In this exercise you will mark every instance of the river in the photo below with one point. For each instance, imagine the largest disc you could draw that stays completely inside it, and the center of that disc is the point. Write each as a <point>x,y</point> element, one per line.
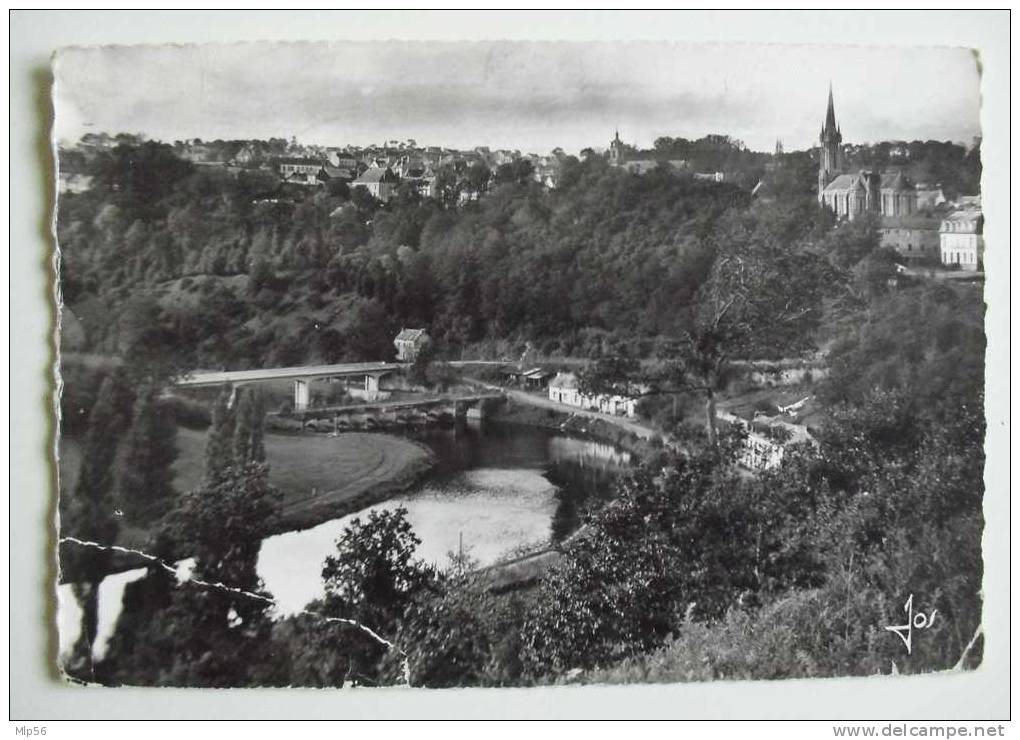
<point>495,490</point>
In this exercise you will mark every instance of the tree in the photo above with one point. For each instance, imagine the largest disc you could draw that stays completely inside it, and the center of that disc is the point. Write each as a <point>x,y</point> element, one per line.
<point>671,547</point>
<point>446,189</point>
<point>518,172</point>
<point>151,348</point>
<point>212,628</point>
<point>91,514</point>
<point>249,428</point>
<point>477,178</point>
<point>144,476</point>
<point>218,448</point>
<point>371,579</point>
<point>762,299</point>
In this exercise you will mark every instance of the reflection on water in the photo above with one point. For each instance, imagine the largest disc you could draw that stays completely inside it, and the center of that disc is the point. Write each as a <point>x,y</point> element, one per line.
<point>499,487</point>
<point>495,510</point>
<point>586,453</point>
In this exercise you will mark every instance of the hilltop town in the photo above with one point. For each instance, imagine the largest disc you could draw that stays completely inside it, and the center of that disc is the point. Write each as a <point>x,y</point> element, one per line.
<point>927,222</point>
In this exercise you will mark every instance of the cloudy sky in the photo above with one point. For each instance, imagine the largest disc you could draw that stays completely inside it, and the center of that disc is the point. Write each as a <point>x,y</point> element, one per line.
<point>527,96</point>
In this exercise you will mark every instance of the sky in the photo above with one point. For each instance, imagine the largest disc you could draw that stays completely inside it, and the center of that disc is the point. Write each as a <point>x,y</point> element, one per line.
<point>531,96</point>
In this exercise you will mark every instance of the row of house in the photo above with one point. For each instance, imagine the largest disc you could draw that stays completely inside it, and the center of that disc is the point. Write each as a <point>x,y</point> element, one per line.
<point>564,389</point>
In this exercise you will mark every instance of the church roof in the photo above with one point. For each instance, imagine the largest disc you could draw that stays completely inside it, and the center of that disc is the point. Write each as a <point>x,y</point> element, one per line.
<point>895,181</point>
<point>845,182</point>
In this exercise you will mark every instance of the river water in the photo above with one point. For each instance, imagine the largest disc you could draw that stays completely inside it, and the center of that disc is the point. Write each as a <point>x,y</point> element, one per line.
<point>496,490</point>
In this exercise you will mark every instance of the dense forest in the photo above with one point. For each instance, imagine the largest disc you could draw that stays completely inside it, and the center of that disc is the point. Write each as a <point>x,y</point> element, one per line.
<point>243,270</point>
<point>693,571</point>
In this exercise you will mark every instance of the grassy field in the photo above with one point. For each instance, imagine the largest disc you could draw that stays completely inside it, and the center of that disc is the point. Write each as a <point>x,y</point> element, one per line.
<point>321,477</point>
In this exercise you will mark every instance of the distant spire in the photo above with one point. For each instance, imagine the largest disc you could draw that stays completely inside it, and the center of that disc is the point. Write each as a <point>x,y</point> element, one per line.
<point>830,114</point>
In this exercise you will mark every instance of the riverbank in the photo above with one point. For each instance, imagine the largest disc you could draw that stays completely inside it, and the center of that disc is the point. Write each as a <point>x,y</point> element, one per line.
<point>521,408</point>
<point>321,477</point>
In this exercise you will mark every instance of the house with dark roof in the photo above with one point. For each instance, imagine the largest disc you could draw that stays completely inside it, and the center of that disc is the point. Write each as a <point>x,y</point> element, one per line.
<point>379,181</point>
<point>915,237</point>
<point>329,172</point>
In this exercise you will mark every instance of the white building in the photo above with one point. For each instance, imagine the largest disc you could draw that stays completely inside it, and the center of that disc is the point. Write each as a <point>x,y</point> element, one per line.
<point>299,170</point>
<point>767,440</point>
<point>409,342</point>
<point>563,389</point>
<point>961,241</point>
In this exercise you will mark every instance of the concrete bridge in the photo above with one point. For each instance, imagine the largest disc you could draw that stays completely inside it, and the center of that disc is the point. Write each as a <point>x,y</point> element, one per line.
<point>302,376</point>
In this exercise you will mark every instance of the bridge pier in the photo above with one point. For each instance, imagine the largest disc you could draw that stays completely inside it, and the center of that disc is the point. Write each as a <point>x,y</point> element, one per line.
<point>301,395</point>
<point>372,386</point>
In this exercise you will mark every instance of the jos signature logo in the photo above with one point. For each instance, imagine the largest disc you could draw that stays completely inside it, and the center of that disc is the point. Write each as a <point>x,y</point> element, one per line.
<point>918,621</point>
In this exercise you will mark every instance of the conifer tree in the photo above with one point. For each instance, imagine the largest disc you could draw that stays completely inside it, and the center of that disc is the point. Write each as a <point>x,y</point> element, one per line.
<point>249,429</point>
<point>91,514</point>
<point>144,478</point>
<point>218,454</point>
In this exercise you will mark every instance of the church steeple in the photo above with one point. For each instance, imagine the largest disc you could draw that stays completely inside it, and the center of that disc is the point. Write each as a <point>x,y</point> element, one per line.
<point>830,114</point>
<point>831,139</point>
<point>616,150</point>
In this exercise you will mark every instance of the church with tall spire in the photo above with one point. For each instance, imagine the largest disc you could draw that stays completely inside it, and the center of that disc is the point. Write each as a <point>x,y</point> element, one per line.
<point>849,195</point>
<point>832,148</point>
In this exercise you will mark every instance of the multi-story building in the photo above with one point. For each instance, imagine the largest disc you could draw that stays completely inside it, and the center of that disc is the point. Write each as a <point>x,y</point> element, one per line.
<point>299,170</point>
<point>961,240</point>
<point>914,237</point>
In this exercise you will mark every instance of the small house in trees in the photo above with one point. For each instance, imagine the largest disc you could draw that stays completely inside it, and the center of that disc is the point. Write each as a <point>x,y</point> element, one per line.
<point>409,342</point>
<point>767,439</point>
